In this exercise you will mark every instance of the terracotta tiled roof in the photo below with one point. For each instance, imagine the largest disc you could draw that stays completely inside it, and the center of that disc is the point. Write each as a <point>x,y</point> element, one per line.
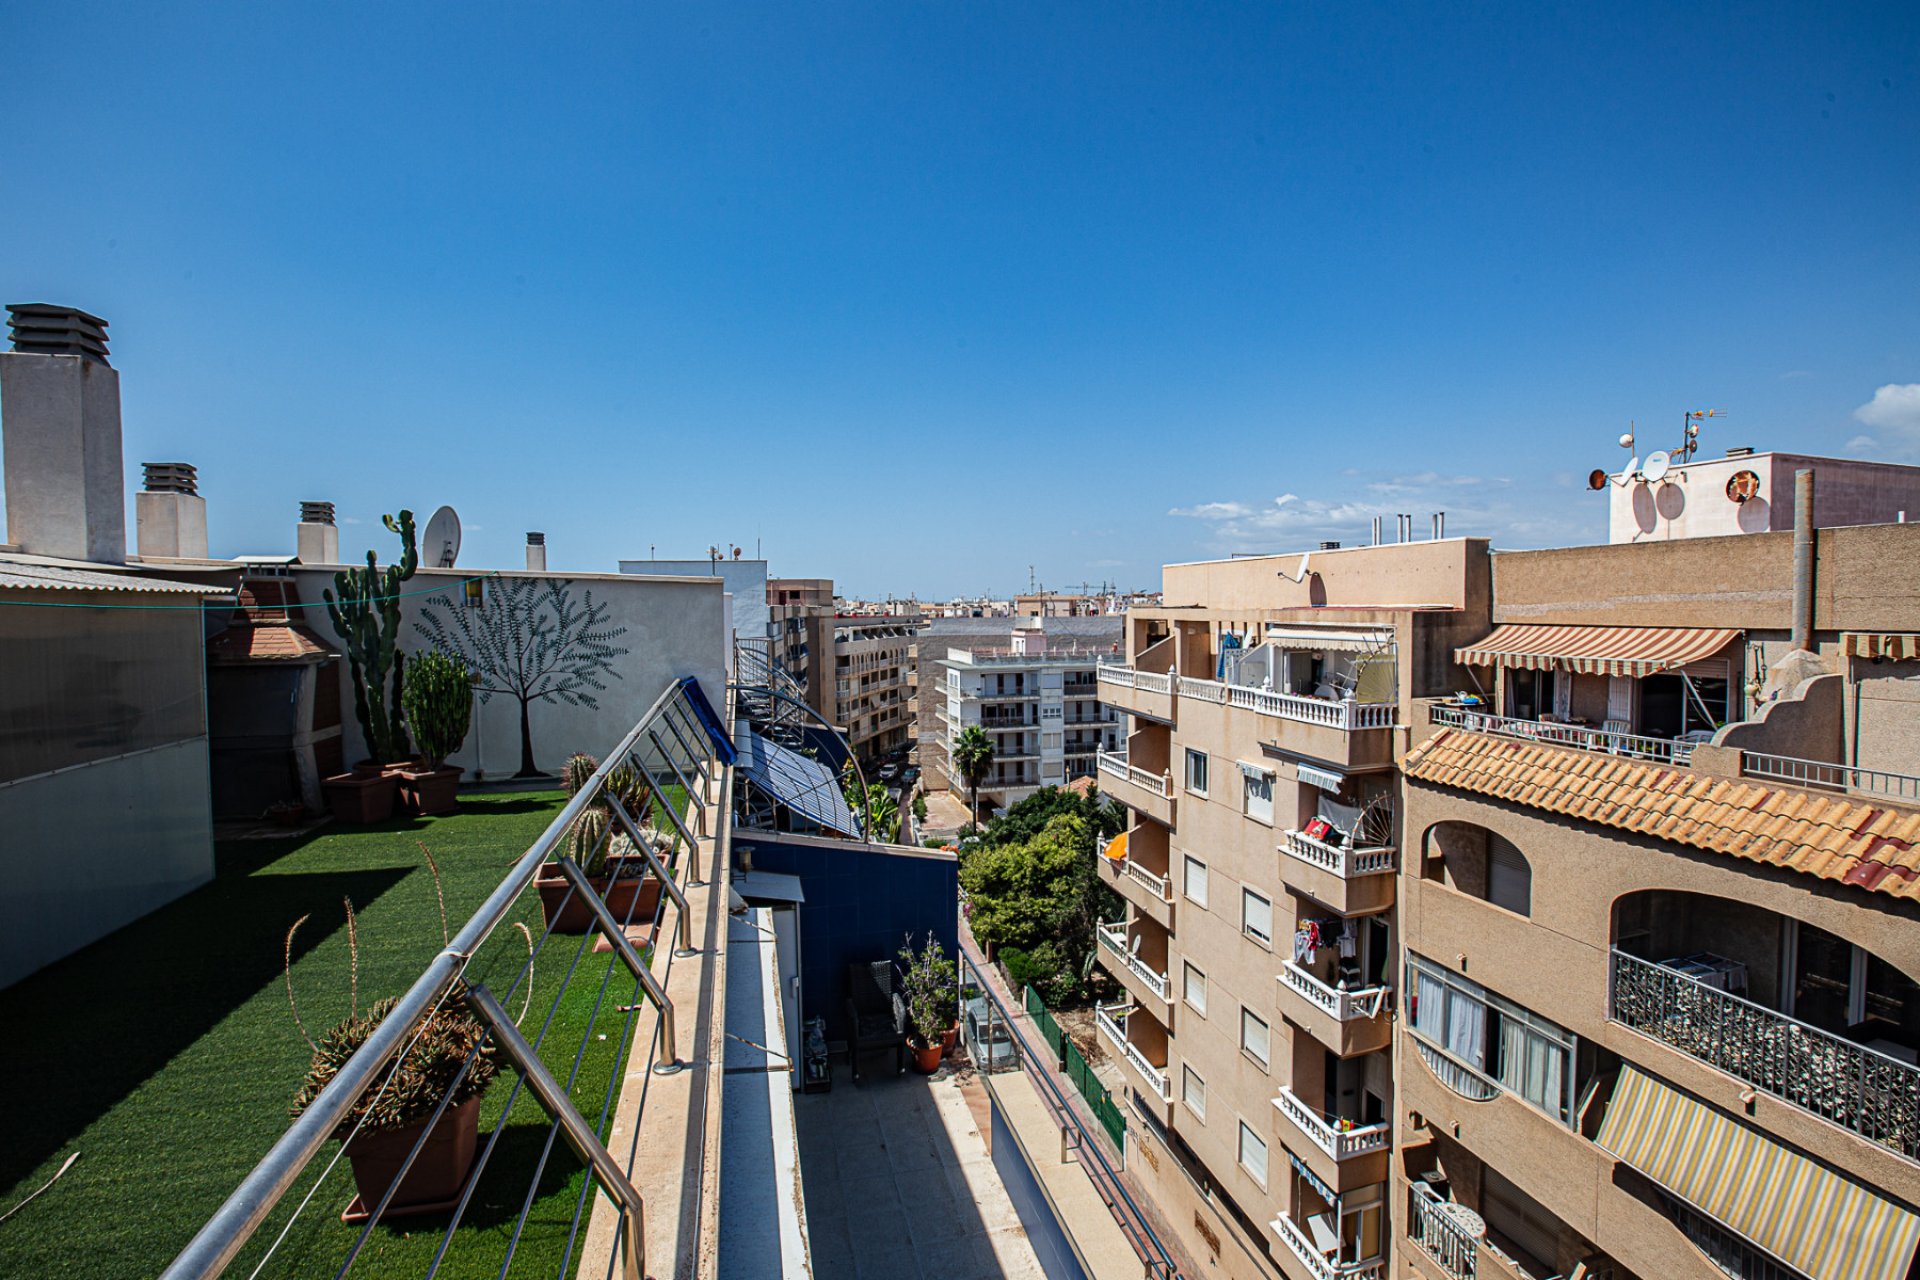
<point>1084,786</point>
<point>263,629</point>
<point>1833,837</point>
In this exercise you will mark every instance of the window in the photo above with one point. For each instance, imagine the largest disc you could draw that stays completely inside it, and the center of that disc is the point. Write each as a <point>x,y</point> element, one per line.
<point>1196,771</point>
<point>1254,1037</point>
<point>1501,1042</point>
<point>1193,986</point>
<point>1257,798</point>
<point>1196,880</point>
<point>1256,917</point>
<point>1253,1154</point>
<point>1193,1091</point>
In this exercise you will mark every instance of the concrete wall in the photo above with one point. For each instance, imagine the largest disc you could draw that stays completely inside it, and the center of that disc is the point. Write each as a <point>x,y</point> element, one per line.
<point>746,582</point>
<point>1408,573</point>
<point>1693,502</point>
<point>1044,1231</point>
<point>666,628</point>
<point>94,847</point>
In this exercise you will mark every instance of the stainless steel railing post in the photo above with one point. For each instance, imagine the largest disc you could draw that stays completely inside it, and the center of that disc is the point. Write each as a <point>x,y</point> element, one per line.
<point>685,926</point>
<point>616,935</point>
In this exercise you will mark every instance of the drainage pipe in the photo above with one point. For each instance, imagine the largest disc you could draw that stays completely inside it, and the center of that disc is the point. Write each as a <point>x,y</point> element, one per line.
<point>1803,559</point>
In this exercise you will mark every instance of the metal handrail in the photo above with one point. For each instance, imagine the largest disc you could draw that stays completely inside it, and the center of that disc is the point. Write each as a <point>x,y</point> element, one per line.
<point>1439,1236</point>
<point>214,1246</point>
<point>1830,776</point>
<point>1634,746</point>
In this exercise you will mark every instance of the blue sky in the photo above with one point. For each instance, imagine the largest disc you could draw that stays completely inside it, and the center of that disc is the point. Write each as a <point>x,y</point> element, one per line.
<point>920,295</point>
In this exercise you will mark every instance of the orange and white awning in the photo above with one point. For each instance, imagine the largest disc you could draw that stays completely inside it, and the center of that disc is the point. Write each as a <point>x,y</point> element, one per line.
<point>1894,647</point>
<point>1596,651</point>
<point>1116,848</point>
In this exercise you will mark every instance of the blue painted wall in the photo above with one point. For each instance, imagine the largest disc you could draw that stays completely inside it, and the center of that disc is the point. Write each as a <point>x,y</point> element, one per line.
<point>1044,1232</point>
<point>861,904</point>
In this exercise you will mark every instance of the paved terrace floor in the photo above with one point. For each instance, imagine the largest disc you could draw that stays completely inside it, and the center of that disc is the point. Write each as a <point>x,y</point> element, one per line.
<point>899,1183</point>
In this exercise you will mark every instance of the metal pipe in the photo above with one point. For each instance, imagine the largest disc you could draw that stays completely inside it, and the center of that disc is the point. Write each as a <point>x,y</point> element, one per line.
<point>579,1134</point>
<point>616,936</point>
<point>1376,531</point>
<point>1803,558</point>
<point>673,890</point>
<point>235,1221</point>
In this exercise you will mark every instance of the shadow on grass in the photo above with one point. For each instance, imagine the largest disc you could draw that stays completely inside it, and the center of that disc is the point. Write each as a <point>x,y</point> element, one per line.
<point>106,1018</point>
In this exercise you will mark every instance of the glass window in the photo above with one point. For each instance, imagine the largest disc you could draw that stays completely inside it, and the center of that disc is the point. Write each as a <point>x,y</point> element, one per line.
<point>1194,987</point>
<point>1196,880</point>
<point>1259,797</point>
<point>1256,917</point>
<point>1505,1044</point>
<point>1254,1037</point>
<point>1193,1091</point>
<point>1196,771</point>
<point>1253,1154</point>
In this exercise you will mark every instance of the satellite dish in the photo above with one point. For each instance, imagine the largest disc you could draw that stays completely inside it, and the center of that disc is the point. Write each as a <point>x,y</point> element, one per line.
<point>1657,465</point>
<point>440,544</point>
<point>1743,486</point>
<point>1300,574</point>
<point>1627,472</point>
<point>1596,479</point>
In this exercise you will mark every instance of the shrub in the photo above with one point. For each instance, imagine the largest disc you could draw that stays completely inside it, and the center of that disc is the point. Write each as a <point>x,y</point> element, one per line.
<point>438,696</point>
<point>409,1090</point>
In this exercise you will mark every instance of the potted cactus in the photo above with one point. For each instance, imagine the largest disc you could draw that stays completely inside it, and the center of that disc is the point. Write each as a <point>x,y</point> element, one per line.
<point>365,613</point>
<point>438,699</point>
<point>617,871</point>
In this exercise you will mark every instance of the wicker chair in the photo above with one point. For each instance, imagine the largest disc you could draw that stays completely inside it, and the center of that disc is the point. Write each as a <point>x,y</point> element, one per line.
<point>876,1014</point>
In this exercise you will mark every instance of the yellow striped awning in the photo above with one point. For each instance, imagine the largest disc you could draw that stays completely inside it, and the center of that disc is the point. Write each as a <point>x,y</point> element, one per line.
<point>1116,849</point>
<point>1895,647</point>
<point>1804,1215</point>
<point>1595,651</point>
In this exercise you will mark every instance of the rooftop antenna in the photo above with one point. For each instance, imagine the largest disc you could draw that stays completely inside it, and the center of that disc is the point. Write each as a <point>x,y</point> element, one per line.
<point>1598,477</point>
<point>1690,430</point>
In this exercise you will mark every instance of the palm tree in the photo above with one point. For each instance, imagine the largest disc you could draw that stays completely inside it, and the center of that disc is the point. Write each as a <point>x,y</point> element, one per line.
<point>973,757</point>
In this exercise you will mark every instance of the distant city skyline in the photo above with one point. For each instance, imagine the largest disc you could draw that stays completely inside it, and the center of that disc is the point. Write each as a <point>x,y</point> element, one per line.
<point>916,297</point>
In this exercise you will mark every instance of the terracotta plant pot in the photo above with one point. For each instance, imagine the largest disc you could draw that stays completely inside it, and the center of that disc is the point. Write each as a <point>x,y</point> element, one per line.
<point>633,895</point>
<point>429,791</point>
<point>949,1038</point>
<point>357,798</point>
<point>926,1057</point>
<point>438,1172</point>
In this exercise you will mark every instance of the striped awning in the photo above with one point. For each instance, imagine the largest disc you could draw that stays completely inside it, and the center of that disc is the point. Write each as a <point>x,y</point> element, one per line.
<point>1116,848</point>
<point>1595,651</point>
<point>1900,646</point>
<point>1809,1218</point>
<point>1328,640</point>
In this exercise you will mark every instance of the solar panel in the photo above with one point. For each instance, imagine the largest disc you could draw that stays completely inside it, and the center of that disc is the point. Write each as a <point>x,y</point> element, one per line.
<point>802,784</point>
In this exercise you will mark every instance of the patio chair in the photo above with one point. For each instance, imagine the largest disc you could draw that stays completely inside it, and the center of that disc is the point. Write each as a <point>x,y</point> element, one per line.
<point>876,1014</point>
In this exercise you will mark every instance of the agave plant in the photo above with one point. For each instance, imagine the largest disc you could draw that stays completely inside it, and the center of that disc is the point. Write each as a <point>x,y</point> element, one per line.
<point>409,1090</point>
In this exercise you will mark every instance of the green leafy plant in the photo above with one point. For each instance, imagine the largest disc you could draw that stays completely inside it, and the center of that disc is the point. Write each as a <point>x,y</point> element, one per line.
<point>930,987</point>
<point>919,806</point>
<point>438,696</point>
<point>366,615</point>
<point>973,757</point>
<point>1040,896</point>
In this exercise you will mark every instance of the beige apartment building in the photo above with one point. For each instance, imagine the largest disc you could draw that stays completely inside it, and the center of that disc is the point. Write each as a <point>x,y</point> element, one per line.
<point>1542,916</point>
<point>1268,700</point>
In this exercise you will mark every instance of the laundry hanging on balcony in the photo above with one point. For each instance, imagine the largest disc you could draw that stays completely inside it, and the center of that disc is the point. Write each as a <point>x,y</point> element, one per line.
<point>1598,651</point>
<point>1809,1217</point>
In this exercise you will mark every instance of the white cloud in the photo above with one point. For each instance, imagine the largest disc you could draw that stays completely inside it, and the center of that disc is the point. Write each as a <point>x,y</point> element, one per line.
<point>1214,511</point>
<point>1894,407</point>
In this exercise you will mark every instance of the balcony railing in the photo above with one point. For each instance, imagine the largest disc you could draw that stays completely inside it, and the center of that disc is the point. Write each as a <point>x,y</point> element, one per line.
<point>1160,886</point>
<point>1346,716</point>
<point>1830,777</point>
<point>1340,1139</point>
<point>1634,746</point>
<point>1347,863</point>
<point>1342,1005</point>
<point>1204,690</point>
<point>1128,678</point>
<point>1112,1020</point>
<point>1114,938</point>
<point>1441,1236</point>
<point>1855,1087</point>
<point>1159,783</point>
<point>1323,1267</point>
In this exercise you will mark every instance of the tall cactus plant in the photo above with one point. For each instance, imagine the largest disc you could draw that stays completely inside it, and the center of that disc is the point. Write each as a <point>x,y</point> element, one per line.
<point>366,616</point>
<point>439,701</point>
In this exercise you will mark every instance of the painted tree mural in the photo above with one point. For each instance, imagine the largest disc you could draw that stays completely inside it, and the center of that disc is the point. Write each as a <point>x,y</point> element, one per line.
<point>532,640</point>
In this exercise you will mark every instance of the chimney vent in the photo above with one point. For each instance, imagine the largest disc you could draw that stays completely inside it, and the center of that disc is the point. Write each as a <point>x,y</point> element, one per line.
<point>316,540</point>
<point>41,328</point>
<point>537,552</point>
<point>316,513</point>
<point>170,477</point>
<point>536,539</point>
<point>1743,451</point>
<point>1329,546</point>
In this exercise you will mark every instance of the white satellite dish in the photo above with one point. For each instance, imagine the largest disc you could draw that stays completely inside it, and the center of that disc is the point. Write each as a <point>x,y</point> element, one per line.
<point>1658,463</point>
<point>1625,477</point>
<point>1300,574</point>
<point>440,544</point>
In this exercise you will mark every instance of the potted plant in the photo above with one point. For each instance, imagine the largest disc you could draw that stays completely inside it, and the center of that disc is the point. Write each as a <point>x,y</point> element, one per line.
<point>616,869</point>
<point>362,796</point>
<point>438,697</point>
<point>929,988</point>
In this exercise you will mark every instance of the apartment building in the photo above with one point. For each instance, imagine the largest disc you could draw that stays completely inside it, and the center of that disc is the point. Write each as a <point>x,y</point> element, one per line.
<point>1267,700</point>
<point>1657,894</point>
<point>1032,687</point>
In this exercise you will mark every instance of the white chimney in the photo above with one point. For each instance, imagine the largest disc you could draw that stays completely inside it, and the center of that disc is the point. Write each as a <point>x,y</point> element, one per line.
<point>66,491</point>
<point>169,515</point>
<point>317,538</point>
<point>537,552</point>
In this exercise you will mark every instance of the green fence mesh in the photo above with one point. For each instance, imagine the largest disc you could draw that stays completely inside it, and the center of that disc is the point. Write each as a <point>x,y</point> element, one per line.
<point>1105,1110</point>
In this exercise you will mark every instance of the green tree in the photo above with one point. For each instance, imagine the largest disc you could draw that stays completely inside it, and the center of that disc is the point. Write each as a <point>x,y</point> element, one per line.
<point>973,757</point>
<point>1042,897</point>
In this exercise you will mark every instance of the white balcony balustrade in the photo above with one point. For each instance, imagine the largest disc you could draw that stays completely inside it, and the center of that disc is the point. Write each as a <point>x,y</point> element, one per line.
<point>1341,1004</point>
<point>1344,861</point>
<point>1340,1139</point>
<point>1319,1264</point>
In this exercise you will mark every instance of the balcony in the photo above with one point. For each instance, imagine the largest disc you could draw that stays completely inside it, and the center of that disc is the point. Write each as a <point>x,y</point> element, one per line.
<point>1144,693</point>
<point>1818,775</point>
<point>1112,1021</point>
<point>1150,986</point>
<point>1319,1265</point>
<point>1348,879</point>
<point>1436,1229</point>
<point>1851,1085</point>
<point>1348,1021</point>
<point>1632,746</point>
<point>1140,789</point>
<point>1341,1153</point>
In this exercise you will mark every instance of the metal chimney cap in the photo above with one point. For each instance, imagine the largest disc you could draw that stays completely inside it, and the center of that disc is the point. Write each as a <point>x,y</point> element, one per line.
<point>1329,546</point>
<point>536,539</point>
<point>170,477</point>
<point>316,513</point>
<point>43,328</point>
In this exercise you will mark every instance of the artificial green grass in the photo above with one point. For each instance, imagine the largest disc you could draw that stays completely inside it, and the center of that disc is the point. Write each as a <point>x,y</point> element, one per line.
<point>167,1055</point>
